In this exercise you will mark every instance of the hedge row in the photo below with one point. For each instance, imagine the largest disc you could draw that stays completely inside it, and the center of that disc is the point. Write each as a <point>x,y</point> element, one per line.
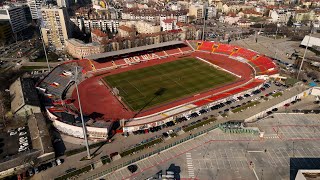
<point>75,173</point>
<point>141,147</point>
<point>198,125</point>
<point>79,150</point>
<point>277,94</point>
<point>245,106</point>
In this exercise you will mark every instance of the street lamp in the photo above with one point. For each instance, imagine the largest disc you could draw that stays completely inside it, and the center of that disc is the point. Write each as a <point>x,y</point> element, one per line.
<point>304,54</point>
<point>292,148</point>
<point>81,115</point>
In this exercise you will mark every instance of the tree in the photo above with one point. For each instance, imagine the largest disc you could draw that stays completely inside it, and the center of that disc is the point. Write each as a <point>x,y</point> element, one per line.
<point>290,21</point>
<point>192,18</point>
<point>305,18</point>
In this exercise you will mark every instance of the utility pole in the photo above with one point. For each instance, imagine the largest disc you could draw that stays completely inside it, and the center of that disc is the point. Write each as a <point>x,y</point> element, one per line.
<point>81,115</point>
<point>304,55</point>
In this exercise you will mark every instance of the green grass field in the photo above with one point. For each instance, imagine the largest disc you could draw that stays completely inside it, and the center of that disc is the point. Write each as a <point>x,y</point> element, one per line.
<point>155,85</point>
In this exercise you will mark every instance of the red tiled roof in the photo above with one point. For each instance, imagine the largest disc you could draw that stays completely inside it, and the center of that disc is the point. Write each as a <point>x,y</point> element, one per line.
<point>99,33</point>
<point>251,11</point>
<point>231,14</point>
<point>168,20</point>
<point>126,28</point>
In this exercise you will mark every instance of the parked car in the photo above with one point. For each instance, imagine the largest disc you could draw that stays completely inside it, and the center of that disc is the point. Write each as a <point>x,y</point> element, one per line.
<point>59,162</point>
<point>21,128</point>
<point>113,154</point>
<point>30,173</point>
<point>13,133</point>
<point>22,133</point>
<point>36,170</point>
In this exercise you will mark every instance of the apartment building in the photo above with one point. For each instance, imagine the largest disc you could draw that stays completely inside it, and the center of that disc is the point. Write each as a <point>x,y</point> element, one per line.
<point>55,29</point>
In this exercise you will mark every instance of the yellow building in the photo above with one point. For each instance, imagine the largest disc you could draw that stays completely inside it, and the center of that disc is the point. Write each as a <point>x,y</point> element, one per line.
<point>56,28</point>
<point>78,49</point>
<point>197,11</point>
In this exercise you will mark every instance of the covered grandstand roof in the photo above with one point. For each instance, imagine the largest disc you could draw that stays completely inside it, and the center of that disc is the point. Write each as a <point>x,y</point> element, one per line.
<point>130,50</point>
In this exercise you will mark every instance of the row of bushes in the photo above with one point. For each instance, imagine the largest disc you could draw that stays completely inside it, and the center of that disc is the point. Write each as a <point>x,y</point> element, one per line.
<point>189,128</point>
<point>79,150</point>
<point>75,173</point>
<point>245,106</point>
<point>141,147</point>
<point>277,94</point>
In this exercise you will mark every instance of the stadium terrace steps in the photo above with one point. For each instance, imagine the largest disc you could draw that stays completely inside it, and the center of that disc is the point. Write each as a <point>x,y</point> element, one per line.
<point>225,49</point>
<point>85,64</point>
<point>263,63</point>
<point>245,53</point>
<point>206,46</point>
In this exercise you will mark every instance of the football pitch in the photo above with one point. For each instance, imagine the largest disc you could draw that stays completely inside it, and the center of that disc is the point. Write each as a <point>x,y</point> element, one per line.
<point>155,85</point>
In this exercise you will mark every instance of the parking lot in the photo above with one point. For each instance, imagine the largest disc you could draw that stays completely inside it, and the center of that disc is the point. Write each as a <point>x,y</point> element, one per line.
<point>219,155</point>
<point>9,145</point>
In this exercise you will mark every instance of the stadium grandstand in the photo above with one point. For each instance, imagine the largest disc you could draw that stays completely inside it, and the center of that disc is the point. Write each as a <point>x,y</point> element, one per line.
<point>108,100</point>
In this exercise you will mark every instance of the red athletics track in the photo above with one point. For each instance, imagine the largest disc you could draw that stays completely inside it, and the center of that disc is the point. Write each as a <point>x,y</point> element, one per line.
<point>96,97</point>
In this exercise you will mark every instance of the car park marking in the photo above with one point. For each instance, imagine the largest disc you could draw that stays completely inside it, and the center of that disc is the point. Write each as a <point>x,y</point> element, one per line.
<point>190,165</point>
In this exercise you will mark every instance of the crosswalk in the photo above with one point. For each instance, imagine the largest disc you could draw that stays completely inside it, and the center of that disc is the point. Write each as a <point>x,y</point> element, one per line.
<point>190,165</point>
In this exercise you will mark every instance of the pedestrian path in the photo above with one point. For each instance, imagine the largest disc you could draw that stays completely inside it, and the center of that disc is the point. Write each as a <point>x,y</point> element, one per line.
<point>190,165</point>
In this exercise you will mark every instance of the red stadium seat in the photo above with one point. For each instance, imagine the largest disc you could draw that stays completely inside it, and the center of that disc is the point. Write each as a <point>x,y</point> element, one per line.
<point>206,46</point>
<point>225,49</point>
<point>245,53</point>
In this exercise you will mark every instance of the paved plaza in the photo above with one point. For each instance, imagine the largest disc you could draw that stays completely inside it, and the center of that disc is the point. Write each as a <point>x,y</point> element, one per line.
<point>219,155</point>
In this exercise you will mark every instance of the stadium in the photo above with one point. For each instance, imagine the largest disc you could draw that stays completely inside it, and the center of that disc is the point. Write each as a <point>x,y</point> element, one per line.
<point>145,87</point>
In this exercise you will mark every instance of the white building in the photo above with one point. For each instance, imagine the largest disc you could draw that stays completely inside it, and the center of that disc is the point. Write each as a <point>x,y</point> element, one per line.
<point>102,24</point>
<point>168,24</point>
<point>280,16</point>
<point>16,17</point>
<point>212,12</point>
<point>35,6</point>
<point>63,3</point>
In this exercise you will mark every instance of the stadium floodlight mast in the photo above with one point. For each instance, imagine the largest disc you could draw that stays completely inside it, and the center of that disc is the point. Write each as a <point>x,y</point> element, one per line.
<point>304,54</point>
<point>204,26</point>
<point>81,115</point>
<point>44,47</point>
